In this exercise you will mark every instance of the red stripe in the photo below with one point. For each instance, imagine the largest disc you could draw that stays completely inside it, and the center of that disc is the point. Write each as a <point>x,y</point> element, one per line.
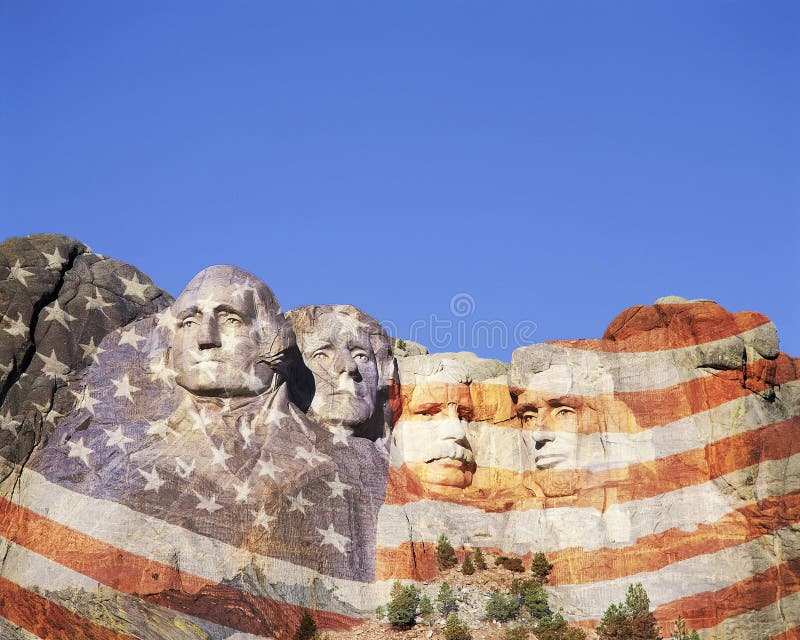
<point>670,326</point>
<point>47,619</point>
<point>154,581</point>
<point>499,490</point>
<point>416,561</point>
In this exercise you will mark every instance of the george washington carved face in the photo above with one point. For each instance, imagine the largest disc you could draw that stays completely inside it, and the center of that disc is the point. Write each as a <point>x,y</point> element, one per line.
<point>229,333</point>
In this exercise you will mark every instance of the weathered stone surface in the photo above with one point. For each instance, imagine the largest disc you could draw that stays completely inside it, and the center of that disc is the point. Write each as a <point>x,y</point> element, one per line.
<point>206,469</point>
<point>58,300</point>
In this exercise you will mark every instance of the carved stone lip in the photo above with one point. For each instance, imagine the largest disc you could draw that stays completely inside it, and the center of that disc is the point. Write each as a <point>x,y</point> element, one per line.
<point>549,461</point>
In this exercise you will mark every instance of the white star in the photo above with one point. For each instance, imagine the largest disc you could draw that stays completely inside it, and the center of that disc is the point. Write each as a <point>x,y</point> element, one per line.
<point>338,488</point>
<point>91,350</point>
<point>78,450</point>
<point>50,414</point>
<point>18,327</point>
<point>329,536</point>
<point>158,428</point>
<point>275,414</point>
<point>219,456</point>
<point>131,338</point>
<point>341,435</point>
<point>301,453</point>
<point>209,504</point>
<point>9,423</point>
<point>245,430</point>
<point>55,259</point>
<point>240,289</point>
<point>56,313</point>
<point>242,491</point>
<point>86,401</point>
<point>268,468</point>
<point>299,503</point>
<point>183,469</point>
<point>159,371</point>
<point>18,273</point>
<point>124,388</point>
<point>117,439</point>
<point>134,287</point>
<point>154,481</point>
<point>53,367</point>
<point>165,320</point>
<point>97,303</point>
<point>262,519</point>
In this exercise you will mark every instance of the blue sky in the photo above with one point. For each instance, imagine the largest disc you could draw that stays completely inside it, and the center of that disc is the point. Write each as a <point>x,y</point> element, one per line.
<point>557,162</point>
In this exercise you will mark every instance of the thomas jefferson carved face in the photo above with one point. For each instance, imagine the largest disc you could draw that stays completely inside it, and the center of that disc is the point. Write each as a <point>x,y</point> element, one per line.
<point>431,438</point>
<point>342,361</point>
<point>225,334</point>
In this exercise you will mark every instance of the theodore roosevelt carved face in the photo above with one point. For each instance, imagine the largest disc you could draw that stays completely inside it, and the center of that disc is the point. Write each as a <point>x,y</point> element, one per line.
<point>431,437</point>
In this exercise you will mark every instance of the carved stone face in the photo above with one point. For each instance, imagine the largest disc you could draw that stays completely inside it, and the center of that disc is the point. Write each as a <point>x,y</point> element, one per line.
<point>553,423</point>
<point>340,356</point>
<point>431,438</point>
<point>219,347</point>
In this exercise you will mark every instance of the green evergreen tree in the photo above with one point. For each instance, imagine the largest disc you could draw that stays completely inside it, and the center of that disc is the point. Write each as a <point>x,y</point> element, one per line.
<point>467,568</point>
<point>541,567</point>
<point>531,596</point>
<point>501,607</point>
<point>426,610</point>
<point>555,627</point>
<point>402,608</point>
<point>456,629</point>
<point>380,611</point>
<point>479,560</point>
<point>446,599</point>
<point>445,554</point>
<point>631,620</point>
<point>307,629</point>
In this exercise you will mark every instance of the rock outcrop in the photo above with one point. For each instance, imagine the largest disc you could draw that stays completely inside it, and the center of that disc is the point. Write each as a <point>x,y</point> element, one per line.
<point>208,468</point>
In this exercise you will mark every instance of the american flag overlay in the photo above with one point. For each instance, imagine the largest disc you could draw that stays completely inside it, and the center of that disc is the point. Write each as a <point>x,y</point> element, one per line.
<point>666,452</point>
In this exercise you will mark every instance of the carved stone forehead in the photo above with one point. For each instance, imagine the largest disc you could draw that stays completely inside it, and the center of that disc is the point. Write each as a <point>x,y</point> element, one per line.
<point>229,283</point>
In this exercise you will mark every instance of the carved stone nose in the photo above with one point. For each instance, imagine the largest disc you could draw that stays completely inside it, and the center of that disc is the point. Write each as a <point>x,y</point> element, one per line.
<point>208,337</point>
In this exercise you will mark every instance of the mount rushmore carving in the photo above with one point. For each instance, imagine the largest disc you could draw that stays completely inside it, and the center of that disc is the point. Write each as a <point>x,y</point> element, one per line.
<point>210,466</point>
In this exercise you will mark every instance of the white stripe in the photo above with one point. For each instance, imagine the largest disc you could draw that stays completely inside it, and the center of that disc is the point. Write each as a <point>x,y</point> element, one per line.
<point>512,449</point>
<point>769,621</point>
<point>706,572</point>
<point>191,552</point>
<point>584,527</point>
<point>595,372</point>
<point>35,572</point>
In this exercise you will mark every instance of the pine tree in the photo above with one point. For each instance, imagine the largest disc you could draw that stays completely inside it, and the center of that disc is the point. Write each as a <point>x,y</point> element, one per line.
<point>500,607</point>
<point>402,608</point>
<point>479,560</point>
<point>541,567</point>
<point>445,554</point>
<point>631,619</point>
<point>456,629</point>
<point>426,610</point>
<point>467,568</point>
<point>446,600</point>
<point>307,629</point>
<point>555,627</point>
